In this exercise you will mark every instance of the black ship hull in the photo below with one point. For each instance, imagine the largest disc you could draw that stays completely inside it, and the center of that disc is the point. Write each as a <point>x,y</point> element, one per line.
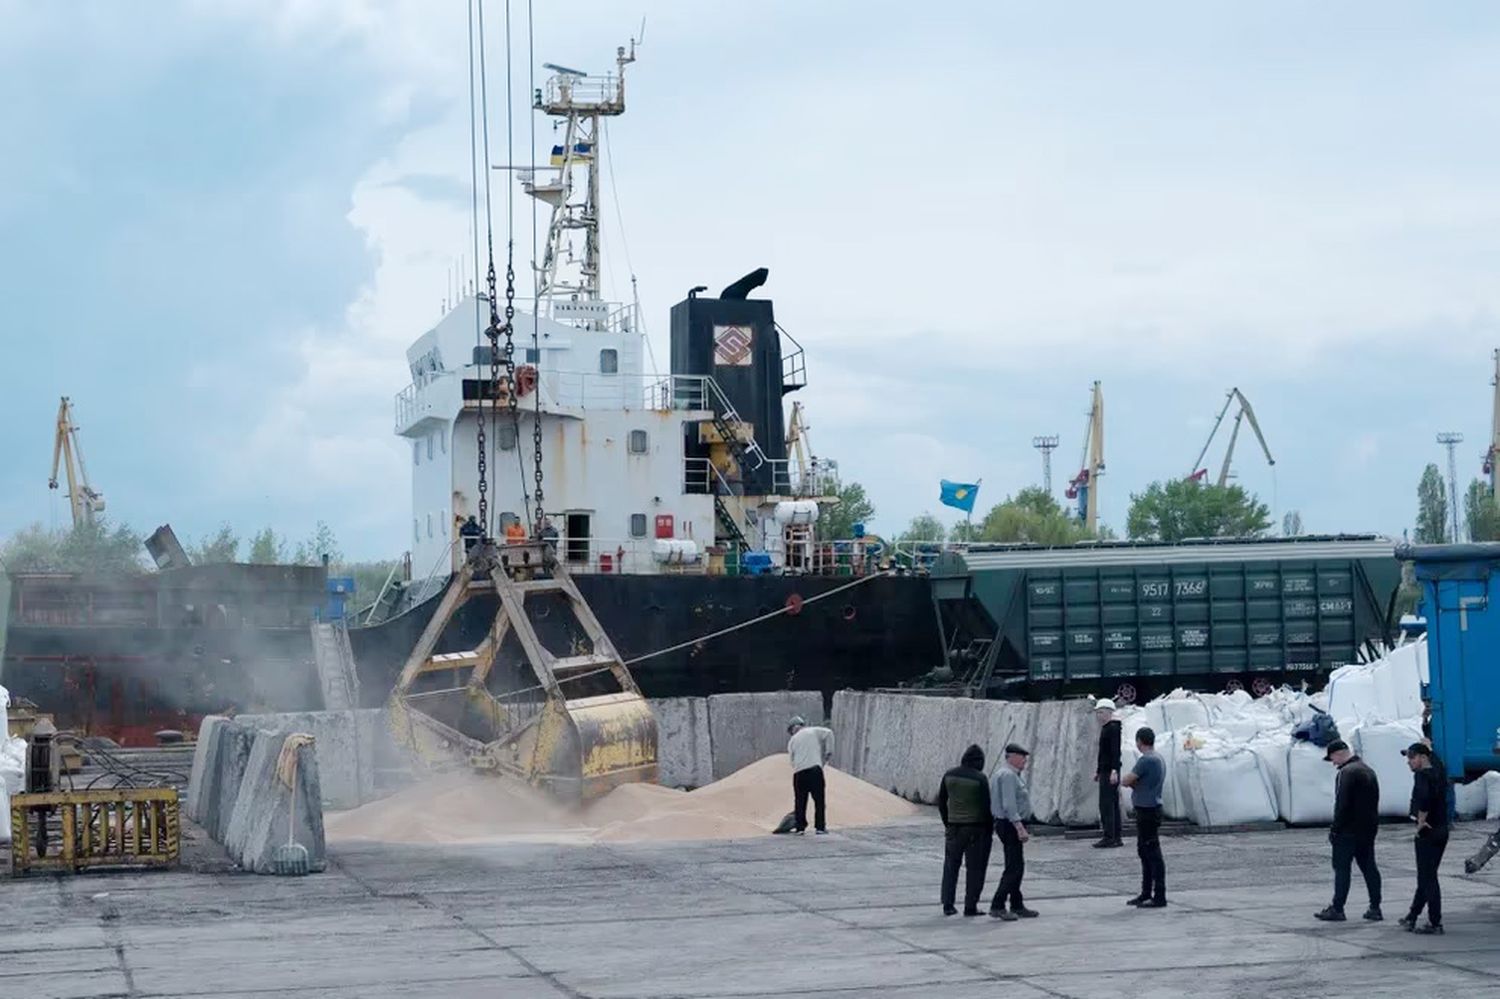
<point>135,673</point>
<point>880,632</point>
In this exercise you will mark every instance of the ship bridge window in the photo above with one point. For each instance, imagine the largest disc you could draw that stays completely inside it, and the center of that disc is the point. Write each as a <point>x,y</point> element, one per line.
<point>637,442</point>
<point>533,355</point>
<point>609,361</point>
<point>429,525</point>
<point>637,525</point>
<point>443,439</point>
<point>507,435</point>
<point>429,447</point>
<point>416,452</point>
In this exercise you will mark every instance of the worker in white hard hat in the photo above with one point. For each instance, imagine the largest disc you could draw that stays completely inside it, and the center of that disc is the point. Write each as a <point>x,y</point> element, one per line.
<point>1107,774</point>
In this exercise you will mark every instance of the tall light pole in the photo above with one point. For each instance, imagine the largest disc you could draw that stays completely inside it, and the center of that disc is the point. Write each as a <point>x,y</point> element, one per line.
<point>1450,440</point>
<point>1046,445</point>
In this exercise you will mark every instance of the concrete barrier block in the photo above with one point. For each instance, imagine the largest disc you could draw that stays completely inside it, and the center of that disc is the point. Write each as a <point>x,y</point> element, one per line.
<point>684,748</point>
<point>905,743</point>
<point>216,804</point>
<point>254,789</point>
<point>744,728</point>
<point>1078,800</point>
<point>204,753</point>
<point>345,743</point>
<point>262,818</point>
<point>271,821</point>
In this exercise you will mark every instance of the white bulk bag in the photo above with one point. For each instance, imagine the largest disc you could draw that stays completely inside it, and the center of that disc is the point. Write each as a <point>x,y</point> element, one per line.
<point>1492,795</point>
<point>1176,711</point>
<point>1229,704</point>
<point>1470,800</point>
<point>1168,747</point>
<point>13,764</point>
<point>4,814</point>
<point>1380,744</point>
<point>1225,785</point>
<point>1398,681</point>
<point>1309,785</point>
<point>1352,695</point>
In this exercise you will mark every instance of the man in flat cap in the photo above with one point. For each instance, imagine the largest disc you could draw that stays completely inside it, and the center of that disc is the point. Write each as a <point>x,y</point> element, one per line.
<point>1011,803</point>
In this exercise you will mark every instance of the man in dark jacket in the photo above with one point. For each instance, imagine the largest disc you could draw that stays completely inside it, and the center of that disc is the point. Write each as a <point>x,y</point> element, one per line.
<point>1356,819</point>
<point>964,803</point>
<point>1107,773</point>
<point>1429,806</point>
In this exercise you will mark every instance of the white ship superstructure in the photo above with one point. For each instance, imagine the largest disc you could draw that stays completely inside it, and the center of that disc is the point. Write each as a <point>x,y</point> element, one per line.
<point>643,472</point>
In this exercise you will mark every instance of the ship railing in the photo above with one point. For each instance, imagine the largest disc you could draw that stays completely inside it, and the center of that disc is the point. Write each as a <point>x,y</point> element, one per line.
<point>566,91</point>
<point>793,362</point>
<point>697,476</point>
<point>700,477</point>
<point>676,392</point>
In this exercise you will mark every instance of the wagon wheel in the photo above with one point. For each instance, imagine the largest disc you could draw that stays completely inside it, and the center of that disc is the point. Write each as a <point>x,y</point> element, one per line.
<point>1125,693</point>
<point>1232,686</point>
<point>1260,686</point>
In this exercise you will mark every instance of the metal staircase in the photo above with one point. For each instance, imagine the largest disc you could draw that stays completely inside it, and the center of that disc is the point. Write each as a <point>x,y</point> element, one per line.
<point>747,454</point>
<point>335,664</point>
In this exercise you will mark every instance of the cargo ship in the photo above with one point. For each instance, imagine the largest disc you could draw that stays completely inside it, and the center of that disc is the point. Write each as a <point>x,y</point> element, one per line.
<point>674,498</point>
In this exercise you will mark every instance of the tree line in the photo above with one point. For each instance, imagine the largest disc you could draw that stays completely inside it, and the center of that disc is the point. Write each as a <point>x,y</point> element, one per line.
<point>1480,518</point>
<point>104,547</point>
<point>1171,510</point>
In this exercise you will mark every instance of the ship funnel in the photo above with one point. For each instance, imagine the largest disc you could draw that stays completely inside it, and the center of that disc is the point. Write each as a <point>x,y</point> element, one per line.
<point>742,288</point>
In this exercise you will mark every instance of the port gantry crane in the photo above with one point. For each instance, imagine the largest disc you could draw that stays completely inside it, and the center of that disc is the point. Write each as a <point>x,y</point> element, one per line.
<point>1085,485</point>
<point>67,452</point>
<point>1245,413</point>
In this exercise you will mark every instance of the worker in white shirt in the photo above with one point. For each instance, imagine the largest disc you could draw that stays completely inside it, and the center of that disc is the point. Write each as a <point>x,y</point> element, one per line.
<point>809,746</point>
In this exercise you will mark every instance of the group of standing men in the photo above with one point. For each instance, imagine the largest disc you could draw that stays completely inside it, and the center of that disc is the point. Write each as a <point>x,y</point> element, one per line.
<point>1356,821</point>
<point>975,806</point>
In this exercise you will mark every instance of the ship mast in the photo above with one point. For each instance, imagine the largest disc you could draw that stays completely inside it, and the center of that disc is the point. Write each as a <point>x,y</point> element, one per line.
<point>567,277</point>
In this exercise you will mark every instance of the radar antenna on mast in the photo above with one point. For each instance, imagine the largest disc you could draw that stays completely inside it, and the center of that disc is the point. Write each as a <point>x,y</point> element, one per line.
<point>568,274</point>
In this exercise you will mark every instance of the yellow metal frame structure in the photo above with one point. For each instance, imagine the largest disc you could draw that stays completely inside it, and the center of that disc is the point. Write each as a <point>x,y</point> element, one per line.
<point>112,827</point>
<point>577,747</point>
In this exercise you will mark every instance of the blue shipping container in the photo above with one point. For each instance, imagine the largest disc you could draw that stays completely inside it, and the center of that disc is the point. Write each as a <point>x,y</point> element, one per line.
<point>1459,587</point>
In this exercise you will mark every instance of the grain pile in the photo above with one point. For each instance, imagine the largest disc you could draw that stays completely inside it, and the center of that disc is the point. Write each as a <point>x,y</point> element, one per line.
<point>471,809</point>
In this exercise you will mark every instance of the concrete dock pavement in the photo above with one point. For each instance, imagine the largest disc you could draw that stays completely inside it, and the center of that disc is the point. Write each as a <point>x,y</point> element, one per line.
<point>851,914</point>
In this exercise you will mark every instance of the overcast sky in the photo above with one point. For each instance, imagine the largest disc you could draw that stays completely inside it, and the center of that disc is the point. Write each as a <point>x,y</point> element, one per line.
<point>223,222</point>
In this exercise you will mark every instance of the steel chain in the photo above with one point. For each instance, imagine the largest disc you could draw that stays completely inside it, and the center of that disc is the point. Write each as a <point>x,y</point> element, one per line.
<point>512,402</point>
<point>492,333</point>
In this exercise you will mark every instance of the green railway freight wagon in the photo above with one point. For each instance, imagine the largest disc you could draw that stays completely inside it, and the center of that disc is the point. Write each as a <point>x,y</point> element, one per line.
<point>1135,619</point>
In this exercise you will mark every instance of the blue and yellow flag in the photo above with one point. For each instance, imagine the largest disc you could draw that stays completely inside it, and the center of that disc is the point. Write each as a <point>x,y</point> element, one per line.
<point>959,494</point>
<point>581,151</point>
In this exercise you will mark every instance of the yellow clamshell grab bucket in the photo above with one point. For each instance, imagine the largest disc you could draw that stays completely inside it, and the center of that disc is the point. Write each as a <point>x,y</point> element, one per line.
<point>578,747</point>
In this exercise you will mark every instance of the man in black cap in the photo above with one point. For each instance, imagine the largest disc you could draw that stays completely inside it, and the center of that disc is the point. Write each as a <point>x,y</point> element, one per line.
<point>1011,802</point>
<point>1429,806</point>
<point>964,803</point>
<point>1356,820</point>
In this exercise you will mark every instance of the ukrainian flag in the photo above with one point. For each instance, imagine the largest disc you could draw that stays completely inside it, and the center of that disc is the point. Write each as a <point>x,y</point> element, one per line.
<point>581,151</point>
<point>959,494</point>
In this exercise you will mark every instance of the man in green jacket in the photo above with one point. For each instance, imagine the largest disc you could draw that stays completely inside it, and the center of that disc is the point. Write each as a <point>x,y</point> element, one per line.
<point>964,803</point>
